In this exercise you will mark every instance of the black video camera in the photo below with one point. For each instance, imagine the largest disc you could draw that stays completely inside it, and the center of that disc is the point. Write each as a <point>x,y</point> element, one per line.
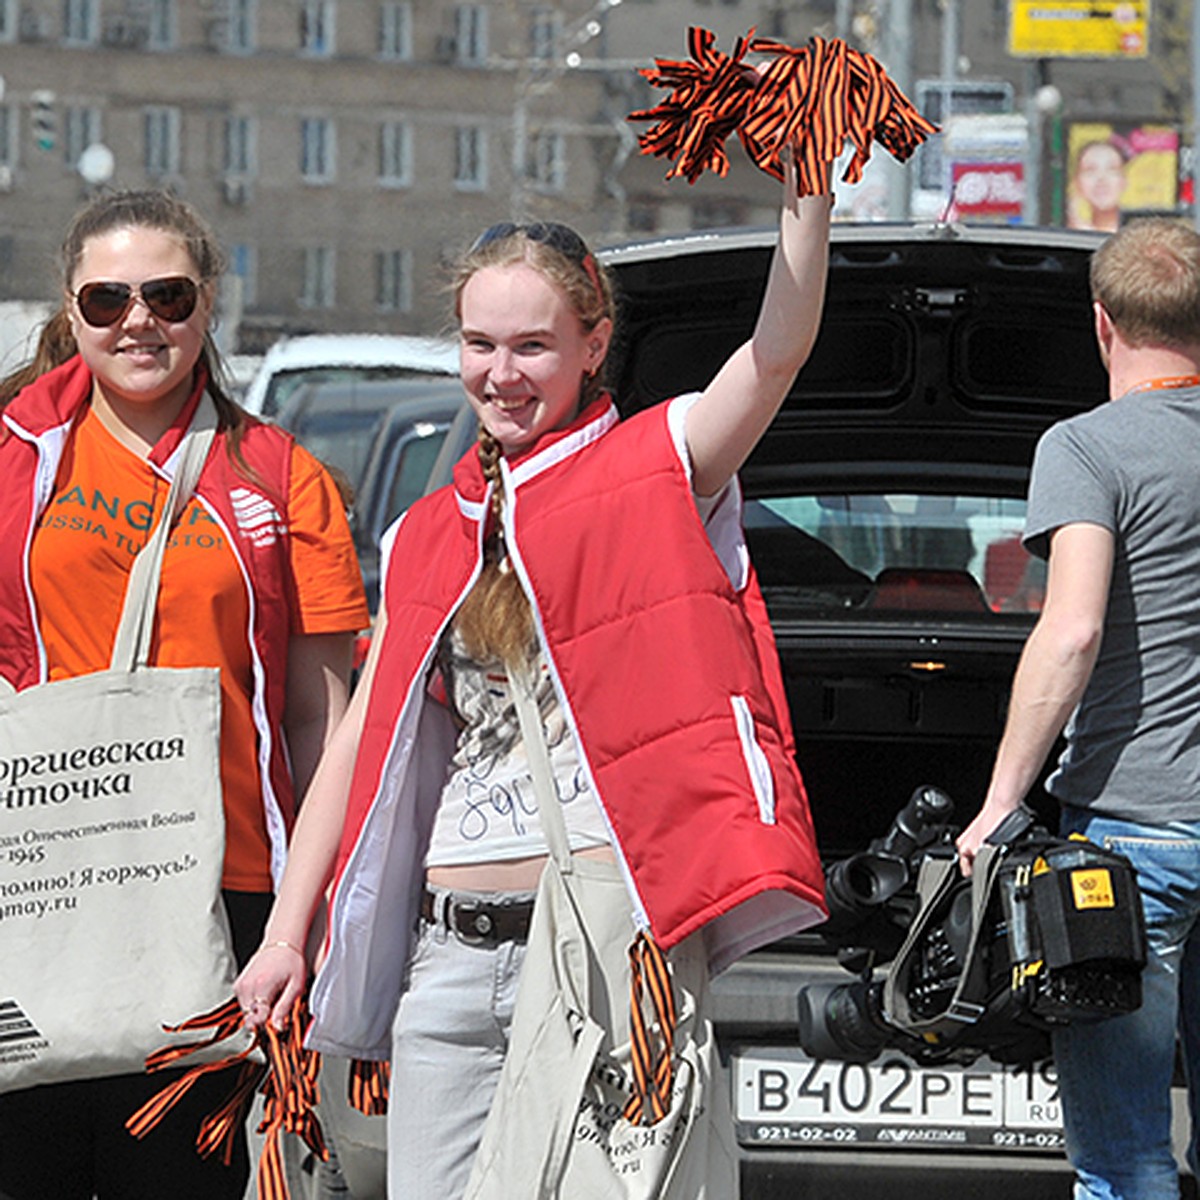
<point>1047,931</point>
<point>871,900</point>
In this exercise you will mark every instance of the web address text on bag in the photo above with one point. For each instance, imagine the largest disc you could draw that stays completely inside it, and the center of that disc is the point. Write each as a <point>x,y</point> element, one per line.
<point>42,897</point>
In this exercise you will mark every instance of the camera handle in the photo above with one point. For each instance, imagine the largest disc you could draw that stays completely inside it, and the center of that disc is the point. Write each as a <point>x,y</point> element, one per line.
<point>1015,825</point>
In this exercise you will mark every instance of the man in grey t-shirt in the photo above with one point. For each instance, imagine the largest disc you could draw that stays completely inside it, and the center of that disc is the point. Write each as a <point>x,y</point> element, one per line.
<point>1114,661</point>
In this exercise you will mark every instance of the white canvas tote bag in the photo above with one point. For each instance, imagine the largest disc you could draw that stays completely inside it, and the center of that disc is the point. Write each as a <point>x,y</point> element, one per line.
<point>112,838</point>
<point>556,1128</point>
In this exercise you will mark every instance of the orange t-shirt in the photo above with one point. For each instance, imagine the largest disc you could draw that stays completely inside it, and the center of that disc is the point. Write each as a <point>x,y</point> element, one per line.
<point>106,501</point>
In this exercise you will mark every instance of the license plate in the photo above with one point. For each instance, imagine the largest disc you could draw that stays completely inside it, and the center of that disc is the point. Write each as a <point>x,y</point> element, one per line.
<point>781,1096</point>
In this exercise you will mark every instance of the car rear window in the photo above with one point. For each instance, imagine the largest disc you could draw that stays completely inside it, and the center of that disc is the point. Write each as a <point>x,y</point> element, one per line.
<point>891,553</point>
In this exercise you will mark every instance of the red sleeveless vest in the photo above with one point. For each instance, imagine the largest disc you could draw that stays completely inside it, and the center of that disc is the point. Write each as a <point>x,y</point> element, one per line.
<point>665,669</point>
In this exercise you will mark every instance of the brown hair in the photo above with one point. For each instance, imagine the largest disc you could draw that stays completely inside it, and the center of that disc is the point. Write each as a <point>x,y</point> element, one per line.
<point>495,621</point>
<point>148,209</point>
<point>1147,278</point>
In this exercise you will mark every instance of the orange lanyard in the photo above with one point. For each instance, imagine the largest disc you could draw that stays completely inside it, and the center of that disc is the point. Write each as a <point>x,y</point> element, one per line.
<point>1170,381</point>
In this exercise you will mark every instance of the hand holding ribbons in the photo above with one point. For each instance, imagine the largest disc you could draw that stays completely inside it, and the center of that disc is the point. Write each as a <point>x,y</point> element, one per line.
<point>811,99</point>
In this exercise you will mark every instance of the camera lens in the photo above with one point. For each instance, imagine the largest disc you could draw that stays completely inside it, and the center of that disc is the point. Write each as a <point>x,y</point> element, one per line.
<point>843,1021</point>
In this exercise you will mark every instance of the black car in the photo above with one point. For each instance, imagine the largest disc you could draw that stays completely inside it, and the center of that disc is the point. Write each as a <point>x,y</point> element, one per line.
<point>883,511</point>
<point>339,420</point>
<point>402,453</point>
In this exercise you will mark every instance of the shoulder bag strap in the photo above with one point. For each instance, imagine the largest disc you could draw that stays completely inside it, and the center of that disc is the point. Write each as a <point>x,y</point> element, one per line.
<point>554,828</point>
<point>131,647</point>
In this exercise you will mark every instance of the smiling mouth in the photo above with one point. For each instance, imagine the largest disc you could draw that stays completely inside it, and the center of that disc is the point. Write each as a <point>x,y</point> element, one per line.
<point>511,405</point>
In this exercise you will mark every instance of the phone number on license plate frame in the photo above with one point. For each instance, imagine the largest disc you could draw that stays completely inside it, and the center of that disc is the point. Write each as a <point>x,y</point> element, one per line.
<point>783,1097</point>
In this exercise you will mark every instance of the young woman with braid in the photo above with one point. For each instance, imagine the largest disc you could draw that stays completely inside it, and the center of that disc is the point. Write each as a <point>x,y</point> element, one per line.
<point>607,554</point>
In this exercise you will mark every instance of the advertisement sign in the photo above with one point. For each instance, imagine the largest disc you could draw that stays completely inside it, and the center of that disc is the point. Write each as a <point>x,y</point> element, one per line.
<point>1079,28</point>
<point>985,168</point>
<point>1118,168</point>
<point>987,191</point>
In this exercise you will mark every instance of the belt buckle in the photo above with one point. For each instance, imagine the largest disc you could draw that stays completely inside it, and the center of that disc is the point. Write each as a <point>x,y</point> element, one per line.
<point>464,913</point>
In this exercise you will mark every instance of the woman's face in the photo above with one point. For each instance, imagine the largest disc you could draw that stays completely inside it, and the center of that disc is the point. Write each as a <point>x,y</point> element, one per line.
<point>1100,177</point>
<point>141,359</point>
<point>524,353</point>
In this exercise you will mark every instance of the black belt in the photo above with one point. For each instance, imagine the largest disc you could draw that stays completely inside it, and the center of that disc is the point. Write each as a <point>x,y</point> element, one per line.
<point>478,922</point>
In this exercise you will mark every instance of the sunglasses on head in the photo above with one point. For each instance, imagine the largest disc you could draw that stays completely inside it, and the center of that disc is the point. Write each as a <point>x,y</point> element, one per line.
<point>559,237</point>
<point>549,233</point>
<point>171,298</point>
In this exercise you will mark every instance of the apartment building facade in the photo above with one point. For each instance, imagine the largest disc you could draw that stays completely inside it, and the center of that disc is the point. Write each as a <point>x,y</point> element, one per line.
<point>343,151</point>
<point>346,150</point>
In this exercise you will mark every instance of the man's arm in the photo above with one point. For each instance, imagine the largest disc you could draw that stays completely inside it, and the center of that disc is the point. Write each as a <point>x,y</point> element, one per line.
<point>1054,670</point>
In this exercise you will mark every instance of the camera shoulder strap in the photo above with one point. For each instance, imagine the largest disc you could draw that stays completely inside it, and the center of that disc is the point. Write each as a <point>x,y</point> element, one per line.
<point>938,882</point>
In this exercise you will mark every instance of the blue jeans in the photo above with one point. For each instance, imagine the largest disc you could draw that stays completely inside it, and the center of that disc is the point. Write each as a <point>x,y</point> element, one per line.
<point>449,1041</point>
<point>1115,1075</point>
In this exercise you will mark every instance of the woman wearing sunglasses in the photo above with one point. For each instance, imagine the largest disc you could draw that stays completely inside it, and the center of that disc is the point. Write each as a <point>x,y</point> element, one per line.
<point>260,580</point>
<point>604,556</point>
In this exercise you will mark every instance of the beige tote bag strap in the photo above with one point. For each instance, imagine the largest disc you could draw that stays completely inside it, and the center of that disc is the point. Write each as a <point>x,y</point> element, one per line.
<point>131,647</point>
<point>554,828</point>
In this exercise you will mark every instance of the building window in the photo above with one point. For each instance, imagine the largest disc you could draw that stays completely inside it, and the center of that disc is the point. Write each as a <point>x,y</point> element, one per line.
<point>8,141</point>
<point>395,154</point>
<point>316,27</point>
<point>161,28</point>
<point>243,270</point>
<point>161,151</point>
<point>470,158</point>
<point>548,165</point>
<point>81,129</point>
<point>470,33</point>
<point>395,32</point>
<point>317,288</point>
<point>545,28</point>
<point>9,18</point>
<point>316,149</point>
<point>237,157</point>
<point>81,22</point>
<point>241,26</point>
<point>393,281</point>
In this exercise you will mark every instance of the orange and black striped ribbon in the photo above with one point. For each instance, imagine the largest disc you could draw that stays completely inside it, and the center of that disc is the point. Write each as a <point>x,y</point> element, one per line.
<point>652,1040</point>
<point>287,1079</point>
<point>289,1093</point>
<point>368,1087</point>
<point>709,101</point>
<point>223,1021</point>
<point>813,99</point>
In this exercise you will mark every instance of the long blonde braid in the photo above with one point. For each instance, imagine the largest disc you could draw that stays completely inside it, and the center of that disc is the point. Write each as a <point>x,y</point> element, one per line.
<point>495,621</point>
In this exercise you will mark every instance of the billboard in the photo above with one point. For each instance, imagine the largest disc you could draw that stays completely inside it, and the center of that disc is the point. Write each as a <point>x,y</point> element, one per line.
<point>987,191</point>
<point>1079,28</point>
<point>1117,168</point>
<point>953,105</point>
<point>985,155</point>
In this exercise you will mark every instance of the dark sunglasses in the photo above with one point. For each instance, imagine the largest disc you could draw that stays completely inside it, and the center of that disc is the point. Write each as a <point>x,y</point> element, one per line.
<point>171,298</point>
<point>550,233</point>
